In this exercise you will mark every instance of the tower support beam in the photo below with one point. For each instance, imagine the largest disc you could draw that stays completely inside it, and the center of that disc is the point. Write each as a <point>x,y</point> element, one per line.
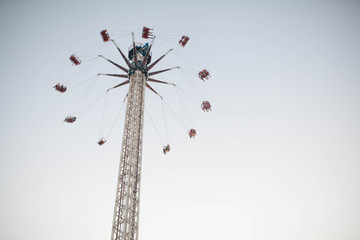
<point>127,199</point>
<point>126,211</point>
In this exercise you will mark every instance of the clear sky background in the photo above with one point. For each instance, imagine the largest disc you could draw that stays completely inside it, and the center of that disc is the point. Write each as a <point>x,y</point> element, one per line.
<point>276,159</point>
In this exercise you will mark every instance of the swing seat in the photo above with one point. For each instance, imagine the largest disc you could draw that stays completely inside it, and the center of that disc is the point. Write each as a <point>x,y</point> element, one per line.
<point>105,35</point>
<point>60,88</point>
<point>192,133</point>
<point>204,74</point>
<point>75,60</point>
<point>101,141</point>
<point>146,33</point>
<point>70,119</point>
<point>166,149</point>
<point>206,106</point>
<point>183,41</point>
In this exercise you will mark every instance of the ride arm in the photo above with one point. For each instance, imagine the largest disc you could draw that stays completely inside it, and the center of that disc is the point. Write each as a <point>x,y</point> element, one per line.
<point>114,75</point>
<point>148,86</point>
<point>154,63</point>
<point>134,50</point>
<point>125,59</point>
<point>119,85</point>
<point>147,53</point>
<point>161,71</point>
<point>121,67</point>
<point>158,81</point>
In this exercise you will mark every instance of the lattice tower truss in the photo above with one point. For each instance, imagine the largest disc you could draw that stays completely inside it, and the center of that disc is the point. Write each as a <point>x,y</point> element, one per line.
<point>126,210</point>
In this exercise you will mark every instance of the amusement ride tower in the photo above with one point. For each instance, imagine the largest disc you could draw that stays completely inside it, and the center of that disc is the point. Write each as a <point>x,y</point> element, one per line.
<point>126,210</point>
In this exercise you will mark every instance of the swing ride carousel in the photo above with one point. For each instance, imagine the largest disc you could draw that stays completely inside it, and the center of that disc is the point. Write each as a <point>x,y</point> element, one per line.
<point>137,72</point>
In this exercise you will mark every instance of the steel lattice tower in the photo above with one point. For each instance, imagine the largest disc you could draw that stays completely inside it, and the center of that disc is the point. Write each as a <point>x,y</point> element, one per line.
<point>126,210</point>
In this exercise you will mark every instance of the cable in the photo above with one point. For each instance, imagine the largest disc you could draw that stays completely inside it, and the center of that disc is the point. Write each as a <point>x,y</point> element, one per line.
<point>186,127</point>
<point>155,127</point>
<point>79,72</point>
<point>184,107</point>
<point>81,83</point>
<point>192,86</point>
<point>116,118</point>
<point>185,62</point>
<point>91,105</point>
<point>77,106</point>
<point>190,97</point>
<point>103,114</point>
<point>166,126</point>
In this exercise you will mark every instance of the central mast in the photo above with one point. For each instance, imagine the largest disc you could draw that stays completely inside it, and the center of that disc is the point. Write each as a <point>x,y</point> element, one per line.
<point>138,75</point>
<point>127,200</point>
<point>126,212</point>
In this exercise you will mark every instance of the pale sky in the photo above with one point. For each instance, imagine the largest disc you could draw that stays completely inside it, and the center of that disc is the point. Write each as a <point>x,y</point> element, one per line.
<point>277,158</point>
